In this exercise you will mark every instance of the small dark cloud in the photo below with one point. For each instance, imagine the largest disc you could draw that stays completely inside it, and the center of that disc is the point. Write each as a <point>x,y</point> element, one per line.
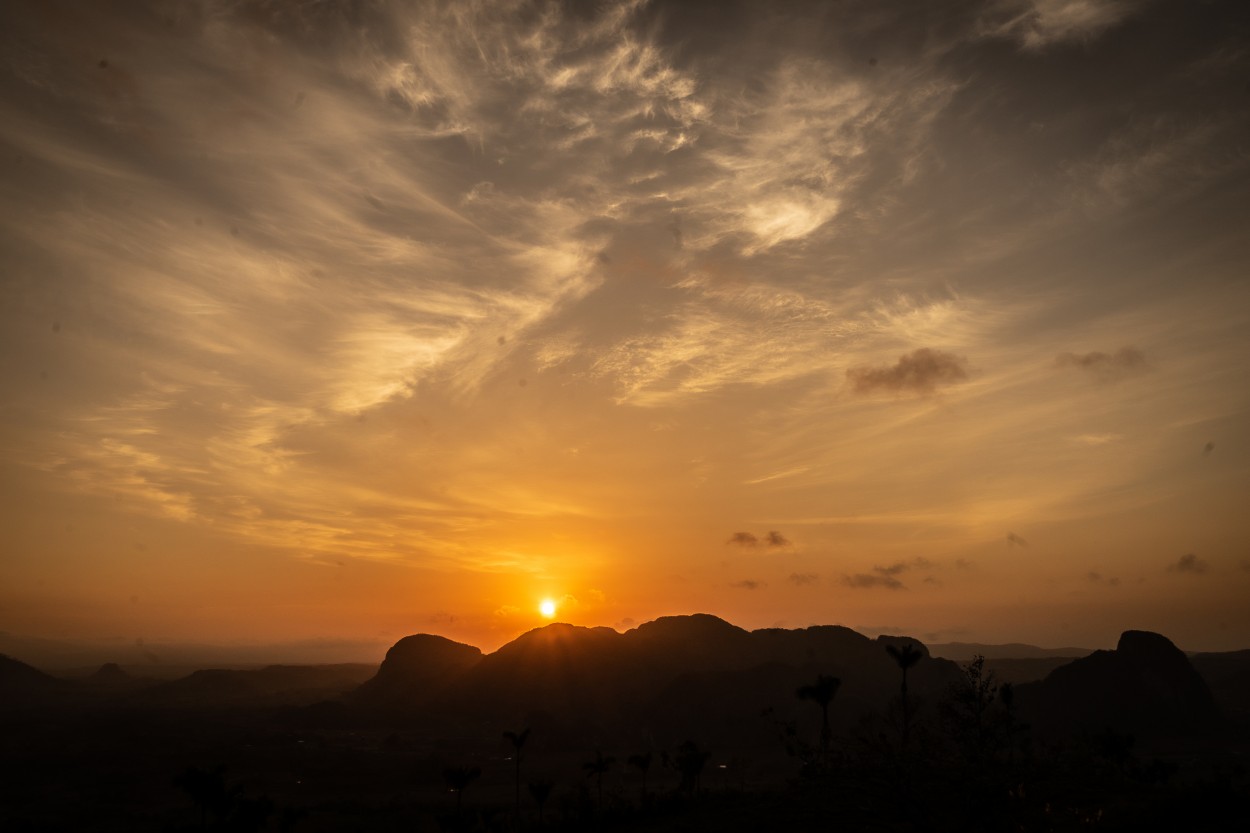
<point>1107,366</point>
<point>1014,540</point>
<point>1098,578</point>
<point>1189,563</point>
<point>1208,448</point>
<point>776,539</point>
<point>888,576</point>
<point>803,579</point>
<point>749,584</point>
<point>743,539</point>
<point>867,581</point>
<point>964,564</point>
<point>919,371</point>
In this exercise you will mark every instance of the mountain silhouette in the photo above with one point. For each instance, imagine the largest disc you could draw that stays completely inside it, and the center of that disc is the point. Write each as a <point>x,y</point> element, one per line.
<point>23,685</point>
<point>416,668</point>
<point>1146,687</point>
<point>672,678</point>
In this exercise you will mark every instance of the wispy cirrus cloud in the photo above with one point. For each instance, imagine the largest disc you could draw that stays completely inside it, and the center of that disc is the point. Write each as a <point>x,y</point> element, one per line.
<point>1039,24</point>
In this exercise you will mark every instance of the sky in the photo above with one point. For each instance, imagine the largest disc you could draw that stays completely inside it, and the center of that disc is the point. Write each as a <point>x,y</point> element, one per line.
<point>352,320</point>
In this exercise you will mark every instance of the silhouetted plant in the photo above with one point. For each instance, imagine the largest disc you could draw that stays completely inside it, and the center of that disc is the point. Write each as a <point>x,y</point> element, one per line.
<point>517,739</point>
<point>597,768</point>
<point>905,657</point>
<point>689,760</point>
<point>969,708</point>
<point>821,693</point>
<point>642,762</point>
<point>540,791</point>
<point>458,778</point>
<point>208,790</point>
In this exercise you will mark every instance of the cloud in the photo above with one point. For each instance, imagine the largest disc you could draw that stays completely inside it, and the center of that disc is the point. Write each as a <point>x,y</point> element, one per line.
<point>920,371</point>
<point>862,581</point>
<point>888,576</point>
<point>803,579</point>
<point>1099,578</point>
<point>1039,24</point>
<point>776,539</point>
<point>749,584</point>
<point>1105,366</point>
<point>772,538</point>
<point>1014,540</point>
<point>1189,563</point>
<point>1208,448</point>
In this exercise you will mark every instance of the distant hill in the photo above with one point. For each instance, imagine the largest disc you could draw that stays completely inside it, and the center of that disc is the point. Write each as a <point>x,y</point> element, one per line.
<point>964,651</point>
<point>1227,673</point>
<point>24,686</point>
<point>276,685</point>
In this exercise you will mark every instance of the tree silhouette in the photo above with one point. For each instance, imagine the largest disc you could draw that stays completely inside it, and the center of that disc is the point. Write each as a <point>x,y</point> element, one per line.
<point>642,761</point>
<point>540,791</point>
<point>207,788</point>
<point>969,710</point>
<point>597,768</point>
<point>517,739</point>
<point>822,693</point>
<point>458,778</point>
<point>689,760</point>
<point>905,657</point>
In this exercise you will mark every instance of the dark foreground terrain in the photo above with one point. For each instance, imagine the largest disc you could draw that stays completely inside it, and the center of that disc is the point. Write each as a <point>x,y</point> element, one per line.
<point>686,723</point>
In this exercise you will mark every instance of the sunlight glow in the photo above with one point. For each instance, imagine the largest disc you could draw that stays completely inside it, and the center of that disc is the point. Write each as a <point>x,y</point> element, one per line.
<point>547,608</point>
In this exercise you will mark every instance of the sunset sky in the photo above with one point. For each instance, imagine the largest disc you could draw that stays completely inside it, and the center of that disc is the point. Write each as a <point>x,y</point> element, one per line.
<point>352,320</point>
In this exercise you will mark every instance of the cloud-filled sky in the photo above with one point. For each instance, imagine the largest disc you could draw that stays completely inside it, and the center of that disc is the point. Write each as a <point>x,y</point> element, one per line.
<point>344,319</point>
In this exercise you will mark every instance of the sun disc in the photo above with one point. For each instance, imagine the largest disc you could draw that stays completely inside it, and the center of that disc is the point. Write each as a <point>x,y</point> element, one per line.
<point>547,608</point>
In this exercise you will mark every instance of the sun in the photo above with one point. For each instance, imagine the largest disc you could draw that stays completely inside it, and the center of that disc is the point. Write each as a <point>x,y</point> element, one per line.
<point>547,608</point>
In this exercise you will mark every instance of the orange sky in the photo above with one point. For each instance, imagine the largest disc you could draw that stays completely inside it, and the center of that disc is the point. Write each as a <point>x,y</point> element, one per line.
<point>330,322</point>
